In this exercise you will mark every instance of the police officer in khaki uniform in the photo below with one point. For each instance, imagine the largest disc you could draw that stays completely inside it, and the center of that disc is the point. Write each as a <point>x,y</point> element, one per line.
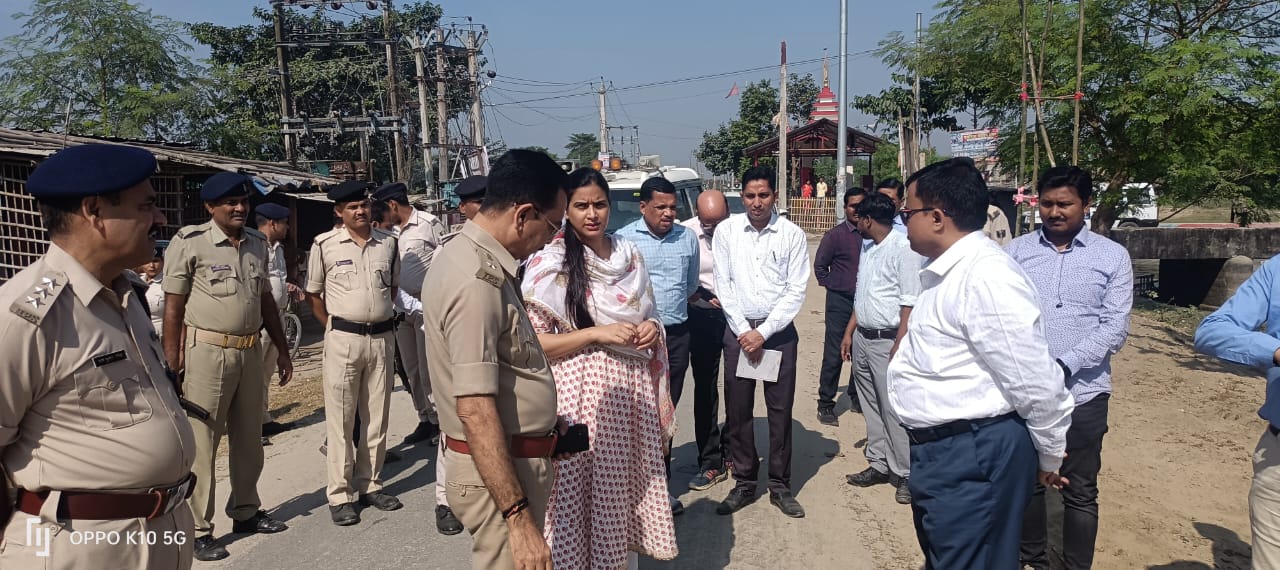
<point>216,298</point>
<point>417,236</point>
<point>352,278</point>
<point>91,431</point>
<point>494,389</point>
<point>273,222</point>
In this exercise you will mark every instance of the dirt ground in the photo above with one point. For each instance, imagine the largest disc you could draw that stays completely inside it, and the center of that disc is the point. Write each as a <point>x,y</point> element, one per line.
<point>1174,485</point>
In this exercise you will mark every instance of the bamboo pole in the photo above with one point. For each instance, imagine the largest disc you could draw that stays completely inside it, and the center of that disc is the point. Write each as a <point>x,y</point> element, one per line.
<point>1075,142</point>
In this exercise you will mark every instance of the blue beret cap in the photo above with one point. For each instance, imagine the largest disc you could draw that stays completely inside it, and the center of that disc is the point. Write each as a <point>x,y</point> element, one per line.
<point>394,190</point>
<point>472,187</point>
<point>349,191</point>
<point>272,211</point>
<point>225,184</point>
<point>91,170</point>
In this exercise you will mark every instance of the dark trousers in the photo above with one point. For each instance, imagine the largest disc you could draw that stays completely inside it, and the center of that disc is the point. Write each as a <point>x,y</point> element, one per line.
<point>1079,499</point>
<point>706,344</point>
<point>677,357</point>
<point>968,495</point>
<point>839,309</point>
<point>740,399</point>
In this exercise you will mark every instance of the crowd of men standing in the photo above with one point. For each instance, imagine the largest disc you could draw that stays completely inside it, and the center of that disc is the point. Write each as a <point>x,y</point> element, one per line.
<point>982,372</point>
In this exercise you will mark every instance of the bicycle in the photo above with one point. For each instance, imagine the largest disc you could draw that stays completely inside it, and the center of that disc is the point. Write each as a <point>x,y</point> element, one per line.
<point>292,329</point>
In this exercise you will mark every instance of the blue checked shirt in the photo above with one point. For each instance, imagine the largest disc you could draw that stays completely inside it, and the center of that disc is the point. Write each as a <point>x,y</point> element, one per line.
<point>1085,295</point>
<point>673,264</point>
<point>1234,332</point>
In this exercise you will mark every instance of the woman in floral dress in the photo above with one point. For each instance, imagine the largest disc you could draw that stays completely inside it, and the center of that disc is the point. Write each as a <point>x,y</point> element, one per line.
<point>589,299</point>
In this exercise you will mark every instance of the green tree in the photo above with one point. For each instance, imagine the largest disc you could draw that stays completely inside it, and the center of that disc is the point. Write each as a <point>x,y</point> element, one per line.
<point>721,149</point>
<point>1179,94</point>
<point>543,150</point>
<point>582,147</point>
<point>119,68</point>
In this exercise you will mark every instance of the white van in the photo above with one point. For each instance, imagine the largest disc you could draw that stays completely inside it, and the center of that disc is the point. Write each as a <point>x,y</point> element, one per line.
<point>624,193</point>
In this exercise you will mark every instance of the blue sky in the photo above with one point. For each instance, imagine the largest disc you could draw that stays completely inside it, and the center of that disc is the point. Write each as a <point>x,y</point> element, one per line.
<point>633,43</point>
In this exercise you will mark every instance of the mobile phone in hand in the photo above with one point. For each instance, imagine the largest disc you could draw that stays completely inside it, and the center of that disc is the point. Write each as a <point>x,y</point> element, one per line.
<point>574,440</point>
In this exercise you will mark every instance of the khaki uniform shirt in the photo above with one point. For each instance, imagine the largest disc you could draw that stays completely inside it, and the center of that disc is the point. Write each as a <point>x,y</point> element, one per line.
<point>276,275</point>
<point>225,283</point>
<point>359,283</point>
<point>418,241</point>
<point>997,226</point>
<point>84,402</point>
<point>481,340</point>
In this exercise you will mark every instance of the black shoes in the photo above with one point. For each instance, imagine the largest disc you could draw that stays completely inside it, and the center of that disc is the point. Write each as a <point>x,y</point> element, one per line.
<point>867,478</point>
<point>677,508</point>
<point>344,514</point>
<point>391,457</point>
<point>707,479</point>
<point>426,431</point>
<point>259,523</point>
<point>827,416</point>
<point>207,549</point>
<point>381,501</point>
<point>787,504</point>
<point>446,523</point>
<point>739,497</point>
<point>903,494</point>
<point>855,405</point>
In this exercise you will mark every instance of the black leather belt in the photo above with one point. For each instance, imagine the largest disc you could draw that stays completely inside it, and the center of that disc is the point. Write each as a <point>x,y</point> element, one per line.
<point>878,334</point>
<point>1275,431</point>
<point>367,329</point>
<point>755,323</point>
<point>935,433</point>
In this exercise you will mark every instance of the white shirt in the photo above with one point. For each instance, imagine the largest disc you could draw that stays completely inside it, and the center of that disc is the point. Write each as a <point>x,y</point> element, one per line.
<point>706,263</point>
<point>155,302</point>
<point>975,348</point>
<point>417,240</point>
<point>888,279</point>
<point>760,274</point>
<point>277,275</point>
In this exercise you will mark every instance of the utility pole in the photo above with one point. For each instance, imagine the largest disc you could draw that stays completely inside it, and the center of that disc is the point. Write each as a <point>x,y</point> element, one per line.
<point>842,138</point>
<point>783,163</point>
<point>442,127</point>
<point>399,169</point>
<point>1075,141</point>
<point>917,131</point>
<point>425,130</point>
<point>604,123</point>
<point>286,98</point>
<point>477,124</point>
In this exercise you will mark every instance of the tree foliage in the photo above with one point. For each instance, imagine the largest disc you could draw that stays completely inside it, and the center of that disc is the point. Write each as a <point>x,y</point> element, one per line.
<point>582,147</point>
<point>543,150</point>
<point>721,150</point>
<point>118,68</point>
<point>1182,94</point>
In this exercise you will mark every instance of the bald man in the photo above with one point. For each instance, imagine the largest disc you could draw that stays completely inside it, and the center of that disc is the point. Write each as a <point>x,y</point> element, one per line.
<point>706,327</point>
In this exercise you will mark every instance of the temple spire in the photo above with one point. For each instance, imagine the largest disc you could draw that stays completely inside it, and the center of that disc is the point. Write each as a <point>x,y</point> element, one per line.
<point>826,79</point>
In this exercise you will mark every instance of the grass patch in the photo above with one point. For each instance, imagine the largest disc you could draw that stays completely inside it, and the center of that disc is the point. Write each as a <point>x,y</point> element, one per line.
<point>1181,319</point>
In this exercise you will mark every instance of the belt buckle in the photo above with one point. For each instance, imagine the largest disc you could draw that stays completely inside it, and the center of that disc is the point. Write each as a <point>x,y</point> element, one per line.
<point>246,342</point>
<point>226,341</point>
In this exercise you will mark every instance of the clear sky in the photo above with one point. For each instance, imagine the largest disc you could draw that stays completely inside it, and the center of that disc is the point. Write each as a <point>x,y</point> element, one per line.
<point>549,48</point>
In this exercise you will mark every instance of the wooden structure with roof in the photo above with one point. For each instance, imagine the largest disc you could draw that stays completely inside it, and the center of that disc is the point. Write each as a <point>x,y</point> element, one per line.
<point>183,169</point>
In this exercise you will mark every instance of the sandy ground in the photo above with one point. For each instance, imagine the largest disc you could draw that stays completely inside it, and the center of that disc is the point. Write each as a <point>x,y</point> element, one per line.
<point>1174,484</point>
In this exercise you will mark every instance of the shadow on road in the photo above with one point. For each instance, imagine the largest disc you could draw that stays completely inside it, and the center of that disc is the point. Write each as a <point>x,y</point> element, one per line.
<point>1229,552</point>
<point>705,538</point>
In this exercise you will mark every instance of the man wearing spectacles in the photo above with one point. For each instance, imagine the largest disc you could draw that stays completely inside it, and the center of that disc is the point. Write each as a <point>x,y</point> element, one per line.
<point>985,406</point>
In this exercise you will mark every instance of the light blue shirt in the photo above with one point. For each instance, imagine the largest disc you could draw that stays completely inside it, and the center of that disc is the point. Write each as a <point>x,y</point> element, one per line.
<point>1085,294</point>
<point>673,263</point>
<point>1232,332</point>
<point>898,226</point>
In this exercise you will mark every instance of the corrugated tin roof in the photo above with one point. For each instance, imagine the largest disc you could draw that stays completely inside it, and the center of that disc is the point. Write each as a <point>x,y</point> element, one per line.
<point>272,174</point>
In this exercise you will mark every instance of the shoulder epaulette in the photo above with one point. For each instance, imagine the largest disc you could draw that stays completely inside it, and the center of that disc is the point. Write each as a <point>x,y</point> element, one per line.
<point>256,233</point>
<point>490,271</point>
<point>325,236</point>
<point>189,231</point>
<point>35,304</point>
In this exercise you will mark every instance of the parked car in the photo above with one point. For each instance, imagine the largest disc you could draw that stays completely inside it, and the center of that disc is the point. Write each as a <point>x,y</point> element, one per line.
<point>624,193</point>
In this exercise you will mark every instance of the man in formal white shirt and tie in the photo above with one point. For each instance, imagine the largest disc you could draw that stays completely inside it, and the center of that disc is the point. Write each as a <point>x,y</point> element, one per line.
<point>985,406</point>
<point>761,271</point>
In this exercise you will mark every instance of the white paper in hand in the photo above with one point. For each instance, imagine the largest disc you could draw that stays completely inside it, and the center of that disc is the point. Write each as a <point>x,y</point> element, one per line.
<point>765,369</point>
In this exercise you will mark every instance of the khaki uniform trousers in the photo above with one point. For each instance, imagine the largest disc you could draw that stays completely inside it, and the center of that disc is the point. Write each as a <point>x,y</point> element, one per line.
<point>269,355</point>
<point>41,542</point>
<point>227,383</point>
<point>1264,503</point>
<point>412,344</point>
<point>476,511</point>
<point>357,376</point>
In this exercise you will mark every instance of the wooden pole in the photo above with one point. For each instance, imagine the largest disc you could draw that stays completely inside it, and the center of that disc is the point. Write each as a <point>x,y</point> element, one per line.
<point>1075,142</point>
<point>1022,124</point>
<point>784,163</point>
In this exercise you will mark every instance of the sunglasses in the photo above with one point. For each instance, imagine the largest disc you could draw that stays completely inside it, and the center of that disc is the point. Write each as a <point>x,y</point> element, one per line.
<point>906,213</point>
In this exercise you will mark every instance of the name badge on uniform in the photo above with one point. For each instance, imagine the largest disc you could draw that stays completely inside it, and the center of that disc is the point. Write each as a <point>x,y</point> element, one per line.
<point>220,268</point>
<point>342,262</point>
<point>106,359</point>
